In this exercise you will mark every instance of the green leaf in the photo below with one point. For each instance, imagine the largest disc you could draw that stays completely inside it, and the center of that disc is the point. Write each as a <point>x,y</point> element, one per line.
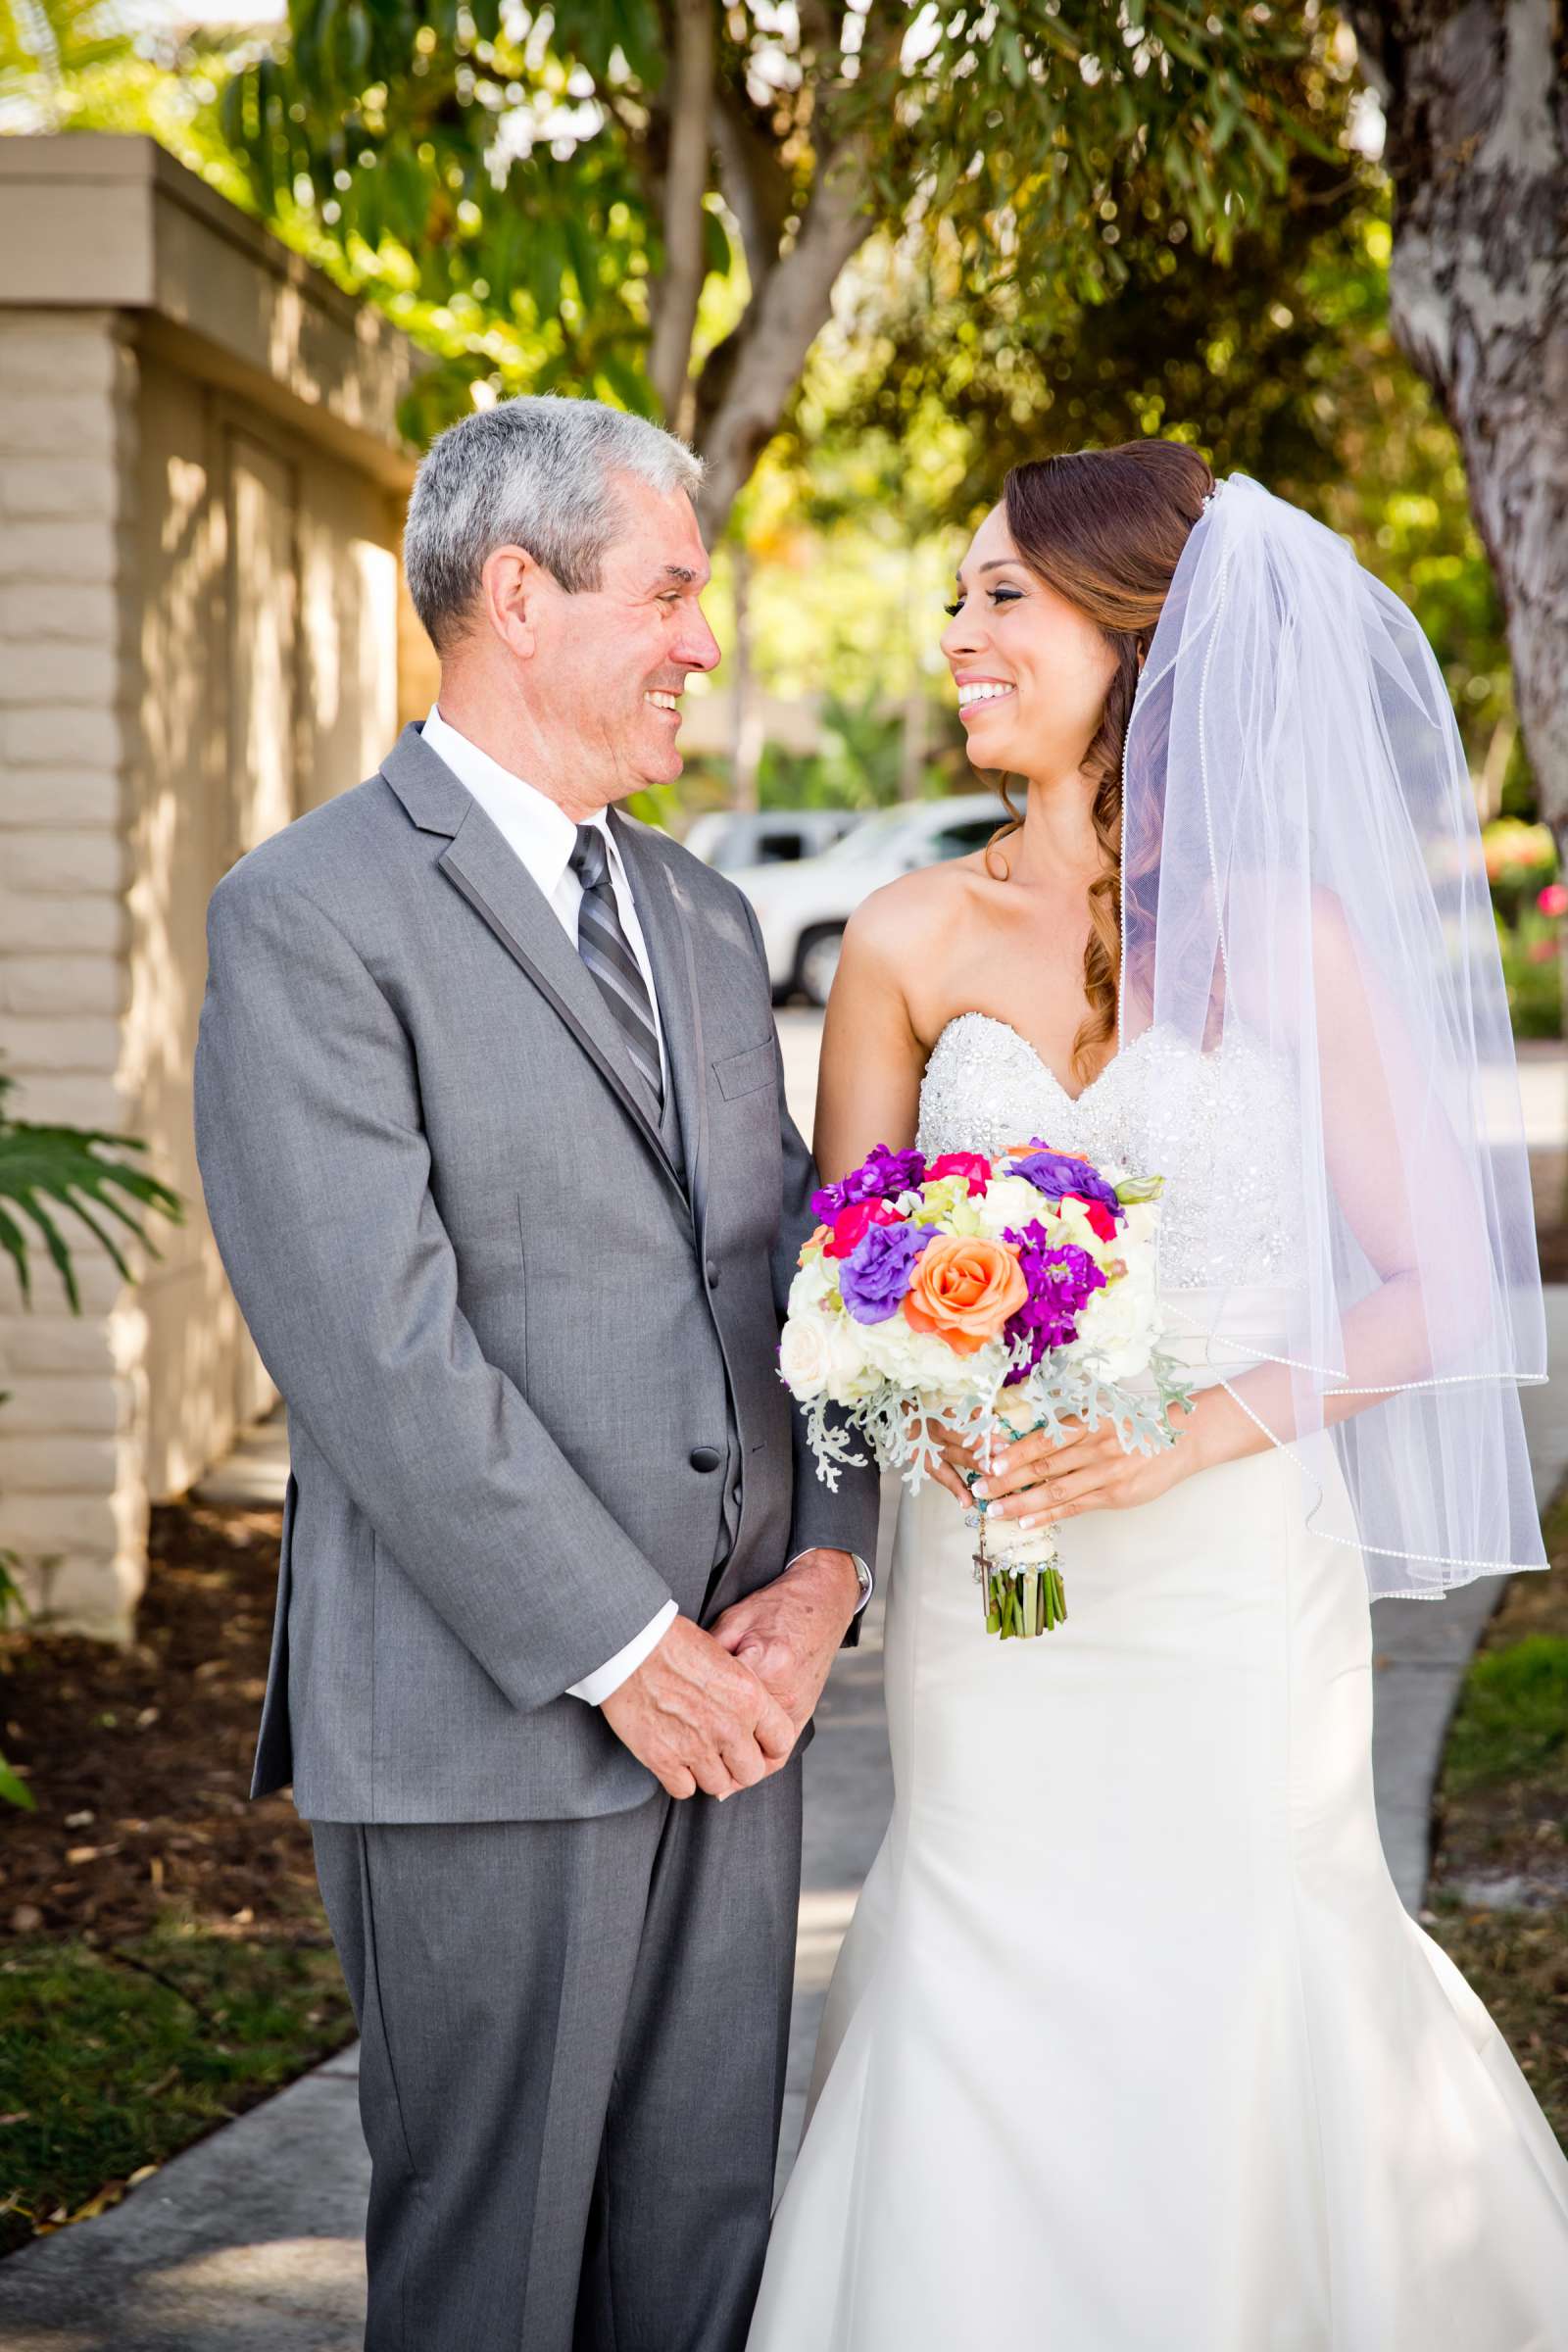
<point>628,384</point>
<point>544,263</point>
<point>13,1241</point>
<point>583,253</point>
<point>44,1167</point>
<point>716,253</point>
<point>54,1244</point>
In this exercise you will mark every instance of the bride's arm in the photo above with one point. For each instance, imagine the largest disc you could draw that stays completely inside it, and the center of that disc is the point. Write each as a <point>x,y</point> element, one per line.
<point>1375,1098</point>
<point>1400,1183</point>
<point>869,1080</point>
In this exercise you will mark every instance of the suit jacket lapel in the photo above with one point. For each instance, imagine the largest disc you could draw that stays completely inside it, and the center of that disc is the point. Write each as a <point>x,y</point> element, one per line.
<point>484,869</point>
<point>668,921</point>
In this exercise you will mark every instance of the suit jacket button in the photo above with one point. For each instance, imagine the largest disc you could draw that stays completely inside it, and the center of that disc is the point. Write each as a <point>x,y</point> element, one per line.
<point>713,1273</point>
<point>705,1457</point>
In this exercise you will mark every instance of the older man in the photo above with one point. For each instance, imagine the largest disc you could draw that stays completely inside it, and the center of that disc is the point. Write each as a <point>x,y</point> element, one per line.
<point>493,1134</point>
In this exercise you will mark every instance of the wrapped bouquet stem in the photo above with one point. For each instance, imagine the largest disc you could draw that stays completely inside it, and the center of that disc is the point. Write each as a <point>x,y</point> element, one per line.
<point>1018,1568</point>
<point>966,1295</point>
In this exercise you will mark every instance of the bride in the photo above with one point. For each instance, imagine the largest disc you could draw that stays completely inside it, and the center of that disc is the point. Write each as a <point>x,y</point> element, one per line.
<point>1131,2047</point>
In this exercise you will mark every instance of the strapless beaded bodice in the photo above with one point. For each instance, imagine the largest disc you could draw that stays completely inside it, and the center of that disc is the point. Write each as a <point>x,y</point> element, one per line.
<point>1222,1129</point>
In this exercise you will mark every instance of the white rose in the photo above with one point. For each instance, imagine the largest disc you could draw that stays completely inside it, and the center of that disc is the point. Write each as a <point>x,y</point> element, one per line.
<point>810,1354</point>
<point>1010,1201</point>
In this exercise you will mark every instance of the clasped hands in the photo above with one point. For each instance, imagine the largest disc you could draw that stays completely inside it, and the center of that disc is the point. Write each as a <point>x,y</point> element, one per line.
<point>721,1710</point>
<point>1041,1478</point>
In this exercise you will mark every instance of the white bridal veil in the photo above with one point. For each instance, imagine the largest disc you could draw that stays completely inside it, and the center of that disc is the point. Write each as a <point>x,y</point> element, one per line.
<point>1303,873</point>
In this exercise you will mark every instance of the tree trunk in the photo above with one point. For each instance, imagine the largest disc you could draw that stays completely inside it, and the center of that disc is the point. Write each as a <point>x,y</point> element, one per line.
<point>1475,96</point>
<point>680,285</point>
<point>766,352</point>
<point>746,738</point>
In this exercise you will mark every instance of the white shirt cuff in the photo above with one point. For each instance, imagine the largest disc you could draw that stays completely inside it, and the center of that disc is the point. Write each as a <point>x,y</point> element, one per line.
<point>607,1678</point>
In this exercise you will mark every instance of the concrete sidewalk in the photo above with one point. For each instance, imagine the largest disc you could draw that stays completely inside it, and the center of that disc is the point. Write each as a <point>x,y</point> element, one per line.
<point>1422,1647</point>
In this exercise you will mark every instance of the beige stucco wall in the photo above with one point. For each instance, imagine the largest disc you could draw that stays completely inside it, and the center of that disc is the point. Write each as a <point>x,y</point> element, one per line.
<point>71,1488</point>
<point>268,613</point>
<point>198,629</point>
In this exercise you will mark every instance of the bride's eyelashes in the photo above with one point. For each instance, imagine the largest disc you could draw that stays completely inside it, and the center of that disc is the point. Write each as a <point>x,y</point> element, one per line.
<point>997,596</point>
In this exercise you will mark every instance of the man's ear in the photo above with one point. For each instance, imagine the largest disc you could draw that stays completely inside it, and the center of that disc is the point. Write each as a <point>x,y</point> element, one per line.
<point>511,587</point>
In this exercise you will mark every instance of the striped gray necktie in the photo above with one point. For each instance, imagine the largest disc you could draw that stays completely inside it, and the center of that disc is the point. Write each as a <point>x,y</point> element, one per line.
<point>607,951</point>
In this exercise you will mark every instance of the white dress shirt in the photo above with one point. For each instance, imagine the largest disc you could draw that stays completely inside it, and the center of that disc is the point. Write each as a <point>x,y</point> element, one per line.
<point>541,833</point>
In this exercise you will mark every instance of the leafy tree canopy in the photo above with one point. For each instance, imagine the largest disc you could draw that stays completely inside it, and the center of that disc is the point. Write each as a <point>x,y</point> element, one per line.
<point>654,200</point>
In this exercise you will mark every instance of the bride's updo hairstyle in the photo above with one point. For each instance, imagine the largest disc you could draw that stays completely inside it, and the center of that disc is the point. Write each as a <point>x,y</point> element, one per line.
<point>1105,529</point>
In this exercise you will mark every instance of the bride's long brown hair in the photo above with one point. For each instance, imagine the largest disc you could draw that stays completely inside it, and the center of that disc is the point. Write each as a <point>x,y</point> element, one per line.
<point>1106,528</point>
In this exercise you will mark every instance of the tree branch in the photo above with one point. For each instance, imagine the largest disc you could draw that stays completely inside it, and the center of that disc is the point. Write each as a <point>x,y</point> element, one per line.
<point>785,319</point>
<point>691,99</point>
<point>757,185</point>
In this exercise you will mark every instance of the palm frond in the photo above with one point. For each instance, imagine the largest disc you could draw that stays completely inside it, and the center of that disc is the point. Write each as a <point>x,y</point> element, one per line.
<point>45,1168</point>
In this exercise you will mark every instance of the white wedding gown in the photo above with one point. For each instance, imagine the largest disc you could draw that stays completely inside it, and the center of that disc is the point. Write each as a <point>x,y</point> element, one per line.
<point>1132,2046</point>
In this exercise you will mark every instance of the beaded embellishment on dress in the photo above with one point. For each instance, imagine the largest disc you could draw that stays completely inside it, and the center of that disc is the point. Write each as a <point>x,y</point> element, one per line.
<point>1224,1136</point>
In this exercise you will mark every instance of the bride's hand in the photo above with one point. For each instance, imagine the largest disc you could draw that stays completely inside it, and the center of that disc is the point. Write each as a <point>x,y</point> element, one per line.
<point>956,1456</point>
<point>1040,1478</point>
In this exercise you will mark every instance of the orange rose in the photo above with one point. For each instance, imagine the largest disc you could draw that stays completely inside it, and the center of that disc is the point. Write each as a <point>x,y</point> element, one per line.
<point>966,1290</point>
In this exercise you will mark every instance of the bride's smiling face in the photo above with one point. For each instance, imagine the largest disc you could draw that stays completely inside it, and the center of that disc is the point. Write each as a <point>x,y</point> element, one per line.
<point>1032,671</point>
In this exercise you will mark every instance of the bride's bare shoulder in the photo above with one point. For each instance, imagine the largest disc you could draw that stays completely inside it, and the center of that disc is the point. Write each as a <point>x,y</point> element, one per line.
<point>904,924</point>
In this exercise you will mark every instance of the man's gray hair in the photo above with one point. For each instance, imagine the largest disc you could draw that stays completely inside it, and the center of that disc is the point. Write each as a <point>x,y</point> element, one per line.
<point>537,472</point>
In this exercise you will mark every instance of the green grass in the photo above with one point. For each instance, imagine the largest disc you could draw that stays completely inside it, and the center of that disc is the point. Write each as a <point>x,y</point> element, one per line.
<point>1503,1819</point>
<point>112,2059</point>
<point>1512,1717</point>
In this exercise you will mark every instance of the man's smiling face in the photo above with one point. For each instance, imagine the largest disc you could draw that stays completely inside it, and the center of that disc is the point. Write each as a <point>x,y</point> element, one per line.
<point>609,664</point>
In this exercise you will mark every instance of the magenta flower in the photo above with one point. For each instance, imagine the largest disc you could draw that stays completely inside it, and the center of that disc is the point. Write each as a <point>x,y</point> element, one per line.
<point>1062,1277</point>
<point>882,1176</point>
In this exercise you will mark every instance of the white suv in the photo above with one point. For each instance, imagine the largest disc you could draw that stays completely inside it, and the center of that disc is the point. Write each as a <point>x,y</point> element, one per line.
<point>803,907</point>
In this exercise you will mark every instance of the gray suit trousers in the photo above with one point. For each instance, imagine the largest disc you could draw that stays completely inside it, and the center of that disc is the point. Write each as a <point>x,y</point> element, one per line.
<point>572,2069</point>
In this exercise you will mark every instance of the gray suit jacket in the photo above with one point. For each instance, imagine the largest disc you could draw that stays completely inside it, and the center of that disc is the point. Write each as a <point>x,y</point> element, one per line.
<point>524,1353</point>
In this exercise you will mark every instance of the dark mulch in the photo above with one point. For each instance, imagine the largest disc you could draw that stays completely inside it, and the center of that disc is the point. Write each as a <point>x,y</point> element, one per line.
<point>140,1758</point>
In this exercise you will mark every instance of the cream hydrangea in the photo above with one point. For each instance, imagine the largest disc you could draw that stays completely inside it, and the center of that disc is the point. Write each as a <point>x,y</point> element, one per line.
<point>915,1359</point>
<point>1123,1321</point>
<point>1143,1220</point>
<point>813,1284</point>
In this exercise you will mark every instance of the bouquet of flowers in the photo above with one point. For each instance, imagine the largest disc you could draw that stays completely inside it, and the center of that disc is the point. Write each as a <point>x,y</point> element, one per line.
<point>965,1293</point>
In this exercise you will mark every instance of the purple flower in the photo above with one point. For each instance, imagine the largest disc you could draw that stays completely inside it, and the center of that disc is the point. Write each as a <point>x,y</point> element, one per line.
<point>882,1177</point>
<point>874,1279</point>
<point>1056,1172</point>
<point>1062,1277</point>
